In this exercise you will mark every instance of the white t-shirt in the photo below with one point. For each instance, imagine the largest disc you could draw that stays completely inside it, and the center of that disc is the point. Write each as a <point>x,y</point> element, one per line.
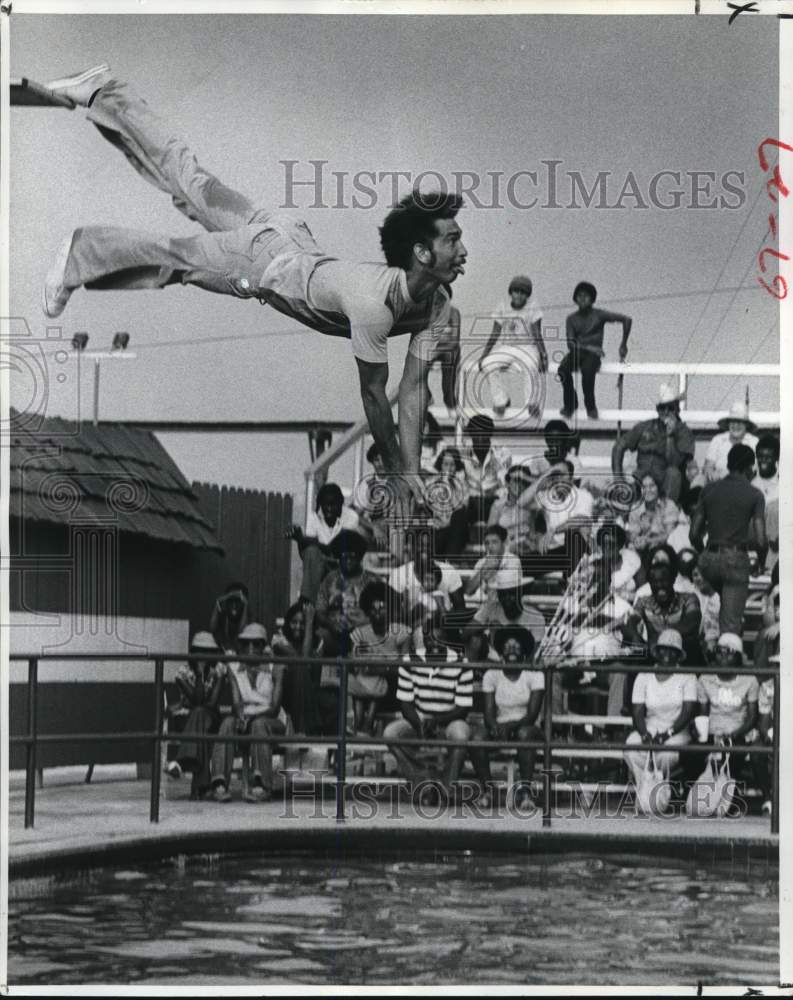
<point>512,697</point>
<point>719,449</point>
<point>403,580</point>
<point>768,487</point>
<point>516,323</point>
<point>663,699</point>
<point>317,527</point>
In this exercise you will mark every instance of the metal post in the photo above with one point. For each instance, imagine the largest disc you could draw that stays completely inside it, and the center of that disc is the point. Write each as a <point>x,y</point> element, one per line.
<point>546,759</point>
<point>310,494</point>
<point>357,462</point>
<point>96,392</point>
<point>30,762</point>
<point>341,746</point>
<point>682,388</point>
<point>156,761</point>
<point>775,762</point>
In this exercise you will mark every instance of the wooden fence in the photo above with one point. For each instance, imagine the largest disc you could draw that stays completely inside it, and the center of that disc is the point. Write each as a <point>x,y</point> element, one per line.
<point>250,525</point>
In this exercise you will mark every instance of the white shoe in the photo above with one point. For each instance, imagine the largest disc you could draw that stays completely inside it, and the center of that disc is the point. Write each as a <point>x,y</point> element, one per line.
<point>80,87</point>
<point>55,294</point>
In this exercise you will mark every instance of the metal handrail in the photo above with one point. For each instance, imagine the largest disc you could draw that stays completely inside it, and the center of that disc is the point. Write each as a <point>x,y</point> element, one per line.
<point>341,741</point>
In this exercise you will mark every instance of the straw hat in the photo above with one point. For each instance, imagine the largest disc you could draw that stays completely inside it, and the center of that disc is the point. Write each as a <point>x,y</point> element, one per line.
<point>738,411</point>
<point>670,638</point>
<point>203,640</point>
<point>667,395</point>
<point>254,632</point>
<point>731,641</point>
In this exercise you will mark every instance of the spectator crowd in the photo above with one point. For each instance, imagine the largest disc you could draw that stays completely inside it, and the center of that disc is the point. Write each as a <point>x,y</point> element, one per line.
<point>517,563</point>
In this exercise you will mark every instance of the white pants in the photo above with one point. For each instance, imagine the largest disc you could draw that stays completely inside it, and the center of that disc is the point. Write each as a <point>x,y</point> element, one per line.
<point>490,388</point>
<point>665,761</point>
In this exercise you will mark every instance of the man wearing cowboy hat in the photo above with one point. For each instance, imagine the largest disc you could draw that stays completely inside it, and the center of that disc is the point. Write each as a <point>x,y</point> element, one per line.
<point>735,428</point>
<point>663,446</point>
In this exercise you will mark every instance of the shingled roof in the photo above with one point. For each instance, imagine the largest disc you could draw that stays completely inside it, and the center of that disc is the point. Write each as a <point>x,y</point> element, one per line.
<point>64,472</point>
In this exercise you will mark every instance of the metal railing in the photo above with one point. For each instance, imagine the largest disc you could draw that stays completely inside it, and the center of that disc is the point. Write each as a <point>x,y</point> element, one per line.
<point>341,741</point>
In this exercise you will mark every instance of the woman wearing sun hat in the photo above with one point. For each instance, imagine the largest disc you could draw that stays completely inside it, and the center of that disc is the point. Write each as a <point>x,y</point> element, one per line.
<point>736,428</point>
<point>663,706</point>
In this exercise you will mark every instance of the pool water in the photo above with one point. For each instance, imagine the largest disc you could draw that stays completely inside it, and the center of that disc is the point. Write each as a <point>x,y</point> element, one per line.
<point>501,919</point>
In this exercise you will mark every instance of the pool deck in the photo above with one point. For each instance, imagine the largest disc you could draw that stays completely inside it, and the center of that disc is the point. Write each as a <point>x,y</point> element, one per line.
<point>80,825</point>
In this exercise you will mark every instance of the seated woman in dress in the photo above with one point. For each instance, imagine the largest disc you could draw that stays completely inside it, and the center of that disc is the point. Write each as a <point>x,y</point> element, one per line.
<point>664,705</point>
<point>654,519</point>
<point>199,683</point>
<point>512,701</point>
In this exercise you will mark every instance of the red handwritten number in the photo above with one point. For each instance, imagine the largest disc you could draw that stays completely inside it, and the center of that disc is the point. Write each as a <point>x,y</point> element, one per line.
<point>778,287</point>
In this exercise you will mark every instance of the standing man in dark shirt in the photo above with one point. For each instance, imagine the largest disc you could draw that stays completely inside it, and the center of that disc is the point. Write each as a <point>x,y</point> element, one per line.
<point>584,332</point>
<point>663,446</point>
<point>732,513</point>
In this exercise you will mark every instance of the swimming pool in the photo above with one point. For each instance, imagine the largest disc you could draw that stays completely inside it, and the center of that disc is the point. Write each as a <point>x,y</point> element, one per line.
<point>444,919</point>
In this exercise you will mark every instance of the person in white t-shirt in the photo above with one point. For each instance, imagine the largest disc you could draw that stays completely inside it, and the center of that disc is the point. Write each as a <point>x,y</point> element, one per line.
<point>513,698</point>
<point>496,560</point>
<point>663,706</point>
<point>322,526</point>
<point>516,345</point>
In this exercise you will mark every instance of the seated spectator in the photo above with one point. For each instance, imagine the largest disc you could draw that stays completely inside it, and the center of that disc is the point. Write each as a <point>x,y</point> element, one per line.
<point>568,512</point>
<point>729,699</point>
<point>611,544</point>
<point>735,428</point>
<point>485,467</point>
<point>664,609</point>
<point>664,705</point>
<point>338,609</point>
<point>256,693</point>
<point>512,702</point>
<point>709,605</point>
<point>732,513</point>
<point>561,443</point>
<point>229,616</point>
<point>666,555</point>
<point>435,696</point>
<point>199,683</point>
<point>663,446</point>
<point>495,561</point>
<point>515,511</point>
<point>508,607</point>
<point>653,519</point>
<point>425,583</point>
<point>379,639</point>
<point>767,481</point>
<point>322,526</point>
<point>447,496</point>
<point>301,682</point>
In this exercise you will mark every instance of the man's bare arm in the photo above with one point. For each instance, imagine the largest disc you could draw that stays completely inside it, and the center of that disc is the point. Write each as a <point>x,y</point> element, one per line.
<point>373,380</point>
<point>413,400</point>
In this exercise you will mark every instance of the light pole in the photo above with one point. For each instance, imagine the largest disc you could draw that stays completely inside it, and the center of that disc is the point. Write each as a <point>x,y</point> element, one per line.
<point>118,352</point>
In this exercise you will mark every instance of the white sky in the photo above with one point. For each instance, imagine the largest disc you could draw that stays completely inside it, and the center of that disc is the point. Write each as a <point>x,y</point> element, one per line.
<point>395,93</point>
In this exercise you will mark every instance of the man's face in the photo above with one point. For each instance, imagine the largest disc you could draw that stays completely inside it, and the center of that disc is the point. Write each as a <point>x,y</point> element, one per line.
<point>737,429</point>
<point>252,647</point>
<point>378,465</point>
<point>377,612</point>
<point>234,607</point>
<point>584,301</point>
<point>518,298</point>
<point>512,651</point>
<point>448,252</point>
<point>661,584</point>
<point>493,545</point>
<point>766,462</point>
<point>667,415</point>
<point>350,562</point>
<point>331,510</point>
<point>433,647</point>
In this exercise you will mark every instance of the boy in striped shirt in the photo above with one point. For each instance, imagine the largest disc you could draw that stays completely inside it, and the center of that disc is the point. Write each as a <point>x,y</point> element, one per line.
<point>435,696</point>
